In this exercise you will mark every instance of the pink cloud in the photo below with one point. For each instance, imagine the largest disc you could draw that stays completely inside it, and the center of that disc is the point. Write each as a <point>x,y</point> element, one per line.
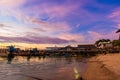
<point>46,26</point>
<point>9,12</point>
<point>35,40</point>
<point>56,27</point>
<point>78,25</point>
<point>52,10</point>
<point>118,26</point>
<point>38,29</point>
<point>94,36</point>
<point>70,36</point>
<point>115,15</point>
<point>11,3</point>
<point>11,29</point>
<point>59,10</point>
<point>43,25</point>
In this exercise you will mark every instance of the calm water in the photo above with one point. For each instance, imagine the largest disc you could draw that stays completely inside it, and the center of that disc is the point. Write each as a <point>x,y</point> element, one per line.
<point>39,68</point>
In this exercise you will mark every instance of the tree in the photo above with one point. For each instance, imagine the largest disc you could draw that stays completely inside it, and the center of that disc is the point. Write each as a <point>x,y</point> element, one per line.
<point>118,31</point>
<point>116,43</point>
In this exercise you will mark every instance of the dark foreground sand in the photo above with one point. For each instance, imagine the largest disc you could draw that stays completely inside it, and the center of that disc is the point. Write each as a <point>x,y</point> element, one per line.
<point>97,70</point>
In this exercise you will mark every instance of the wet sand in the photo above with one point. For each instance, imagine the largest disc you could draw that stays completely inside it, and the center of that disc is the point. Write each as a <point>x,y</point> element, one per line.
<point>103,67</point>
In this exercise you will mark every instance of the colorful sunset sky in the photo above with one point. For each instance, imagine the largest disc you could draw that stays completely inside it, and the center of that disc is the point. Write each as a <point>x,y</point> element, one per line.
<point>42,23</point>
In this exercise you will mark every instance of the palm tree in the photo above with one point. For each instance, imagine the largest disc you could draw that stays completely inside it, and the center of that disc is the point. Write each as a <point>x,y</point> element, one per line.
<point>118,31</point>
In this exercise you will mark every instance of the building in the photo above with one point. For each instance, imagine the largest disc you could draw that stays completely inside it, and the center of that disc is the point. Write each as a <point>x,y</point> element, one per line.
<point>53,48</point>
<point>87,47</point>
<point>68,48</point>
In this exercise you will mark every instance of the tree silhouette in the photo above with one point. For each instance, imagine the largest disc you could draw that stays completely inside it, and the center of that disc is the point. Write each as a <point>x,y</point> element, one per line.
<point>116,43</point>
<point>118,31</point>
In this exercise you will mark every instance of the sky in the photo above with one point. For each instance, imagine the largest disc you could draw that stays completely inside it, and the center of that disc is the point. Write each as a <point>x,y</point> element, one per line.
<point>43,23</point>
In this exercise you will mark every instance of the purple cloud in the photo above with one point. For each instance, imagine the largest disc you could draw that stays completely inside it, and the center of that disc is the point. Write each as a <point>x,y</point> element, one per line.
<point>38,29</point>
<point>1,25</point>
<point>53,27</point>
<point>36,40</point>
<point>115,15</point>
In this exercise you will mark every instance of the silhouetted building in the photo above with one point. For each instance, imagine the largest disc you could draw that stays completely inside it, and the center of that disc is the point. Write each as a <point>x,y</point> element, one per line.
<point>53,48</point>
<point>87,47</point>
<point>68,48</point>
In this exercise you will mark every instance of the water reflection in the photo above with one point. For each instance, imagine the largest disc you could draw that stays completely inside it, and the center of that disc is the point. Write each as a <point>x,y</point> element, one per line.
<point>41,68</point>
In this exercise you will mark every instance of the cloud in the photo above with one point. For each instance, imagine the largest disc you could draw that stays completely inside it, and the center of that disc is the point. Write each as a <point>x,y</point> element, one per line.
<point>78,25</point>
<point>94,36</point>
<point>35,40</point>
<point>11,3</point>
<point>5,29</point>
<point>59,10</point>
<point>51,9</point>
<point>115,15</point>
<point>56,19</point>
<point>10,29</point>
<point>56,26</point>
<point>1,25</point>
<point>4,25</point>
<point>41,25</point>
<point>118,26</point>
<point>70,36</point>
<point>38,29</point>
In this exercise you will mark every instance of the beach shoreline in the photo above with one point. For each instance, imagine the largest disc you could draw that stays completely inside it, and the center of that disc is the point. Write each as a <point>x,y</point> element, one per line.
<point>100,67</point>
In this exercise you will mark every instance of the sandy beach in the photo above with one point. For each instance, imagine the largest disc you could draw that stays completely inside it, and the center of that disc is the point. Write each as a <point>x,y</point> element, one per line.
<point>103,67</point>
